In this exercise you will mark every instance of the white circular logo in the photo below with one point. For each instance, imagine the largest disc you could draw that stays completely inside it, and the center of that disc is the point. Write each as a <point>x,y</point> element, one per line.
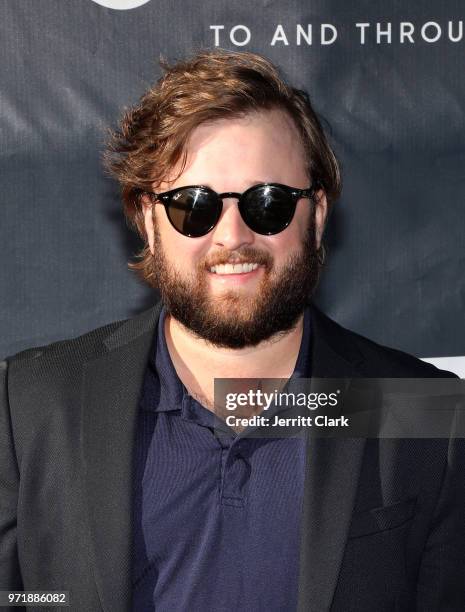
<point>121,5</point>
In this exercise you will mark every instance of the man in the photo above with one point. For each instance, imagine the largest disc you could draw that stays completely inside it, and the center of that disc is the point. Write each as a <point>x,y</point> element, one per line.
<point>114,484</point>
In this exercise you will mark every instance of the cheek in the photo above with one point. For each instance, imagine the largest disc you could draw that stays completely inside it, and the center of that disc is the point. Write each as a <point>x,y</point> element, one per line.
<point>293,236</point>
<point>180,252</point>
<point>291,240</point>
<point>175,251</point>
<point>305,210</point>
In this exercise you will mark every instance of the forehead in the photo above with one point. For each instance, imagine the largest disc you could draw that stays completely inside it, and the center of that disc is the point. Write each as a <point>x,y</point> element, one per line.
<point>260,146</point>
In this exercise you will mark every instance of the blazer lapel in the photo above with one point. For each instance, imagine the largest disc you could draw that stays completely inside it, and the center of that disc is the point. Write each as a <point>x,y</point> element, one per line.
<point>332,473</point>
<point>111,388</point>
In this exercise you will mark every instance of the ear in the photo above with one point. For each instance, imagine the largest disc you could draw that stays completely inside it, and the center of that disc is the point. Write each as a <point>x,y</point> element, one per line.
<point>147,210</point>
<point>321,213</point>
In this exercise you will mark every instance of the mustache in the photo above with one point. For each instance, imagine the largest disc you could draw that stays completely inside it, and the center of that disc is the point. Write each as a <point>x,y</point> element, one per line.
<point>245,255</point>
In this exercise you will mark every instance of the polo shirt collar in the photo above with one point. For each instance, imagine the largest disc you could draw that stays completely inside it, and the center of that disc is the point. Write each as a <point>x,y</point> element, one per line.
<point>163,391</point>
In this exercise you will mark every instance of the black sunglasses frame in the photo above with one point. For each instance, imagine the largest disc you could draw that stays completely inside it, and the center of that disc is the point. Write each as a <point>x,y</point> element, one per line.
<point>295,194</point>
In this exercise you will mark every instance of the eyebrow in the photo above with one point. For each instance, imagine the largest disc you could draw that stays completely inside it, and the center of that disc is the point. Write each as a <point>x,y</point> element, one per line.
<point>251,184</point>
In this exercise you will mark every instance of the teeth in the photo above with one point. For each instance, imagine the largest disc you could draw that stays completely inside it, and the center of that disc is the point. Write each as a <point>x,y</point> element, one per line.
<point>234,268</point>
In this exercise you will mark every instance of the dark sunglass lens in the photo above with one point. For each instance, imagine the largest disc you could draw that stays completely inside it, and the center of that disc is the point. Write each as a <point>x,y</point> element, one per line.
<point>194,211</point>
<point>267,209</point>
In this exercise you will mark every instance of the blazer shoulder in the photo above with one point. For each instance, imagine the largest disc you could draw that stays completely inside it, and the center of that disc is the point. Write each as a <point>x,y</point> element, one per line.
<point>79,347</point>
<point>377,359</point>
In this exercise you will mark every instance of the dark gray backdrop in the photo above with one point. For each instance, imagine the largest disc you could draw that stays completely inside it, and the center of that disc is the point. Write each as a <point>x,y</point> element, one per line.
<point>396,116</point>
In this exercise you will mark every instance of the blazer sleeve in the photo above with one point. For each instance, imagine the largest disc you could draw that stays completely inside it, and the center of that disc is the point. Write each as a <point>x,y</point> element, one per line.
<point>10,574</point>
<point>442,572</point>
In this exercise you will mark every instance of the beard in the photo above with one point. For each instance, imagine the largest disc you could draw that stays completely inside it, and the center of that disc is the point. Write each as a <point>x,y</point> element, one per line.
<point>235,319</point>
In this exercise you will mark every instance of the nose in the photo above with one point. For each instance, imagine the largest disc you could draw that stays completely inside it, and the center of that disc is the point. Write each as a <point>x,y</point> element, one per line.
<point>231,232</point>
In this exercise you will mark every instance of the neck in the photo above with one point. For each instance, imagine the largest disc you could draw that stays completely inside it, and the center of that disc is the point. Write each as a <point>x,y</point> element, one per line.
<point>198,363</point>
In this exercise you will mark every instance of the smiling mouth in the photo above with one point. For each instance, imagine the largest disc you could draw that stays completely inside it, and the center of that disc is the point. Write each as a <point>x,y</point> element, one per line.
<point>238,268</point>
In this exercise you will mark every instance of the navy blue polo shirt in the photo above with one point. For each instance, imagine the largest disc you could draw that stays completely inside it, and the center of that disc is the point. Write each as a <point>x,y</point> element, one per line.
<point>216,523</point>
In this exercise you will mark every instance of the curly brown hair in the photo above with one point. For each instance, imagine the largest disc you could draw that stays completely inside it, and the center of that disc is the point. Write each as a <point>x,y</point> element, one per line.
<point>214,84</point>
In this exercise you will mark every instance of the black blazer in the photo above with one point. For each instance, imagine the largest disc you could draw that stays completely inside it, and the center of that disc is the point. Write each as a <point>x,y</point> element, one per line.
<point>384,520</point>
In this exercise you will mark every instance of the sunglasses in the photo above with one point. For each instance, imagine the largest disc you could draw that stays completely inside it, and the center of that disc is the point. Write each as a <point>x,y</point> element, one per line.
<point>266,209</point>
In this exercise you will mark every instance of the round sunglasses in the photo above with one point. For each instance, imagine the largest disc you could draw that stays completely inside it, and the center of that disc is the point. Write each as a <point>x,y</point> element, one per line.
<point>267,208</point>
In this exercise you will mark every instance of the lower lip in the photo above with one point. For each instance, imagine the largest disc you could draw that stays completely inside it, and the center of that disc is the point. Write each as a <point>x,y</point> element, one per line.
<point>236,279</point>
